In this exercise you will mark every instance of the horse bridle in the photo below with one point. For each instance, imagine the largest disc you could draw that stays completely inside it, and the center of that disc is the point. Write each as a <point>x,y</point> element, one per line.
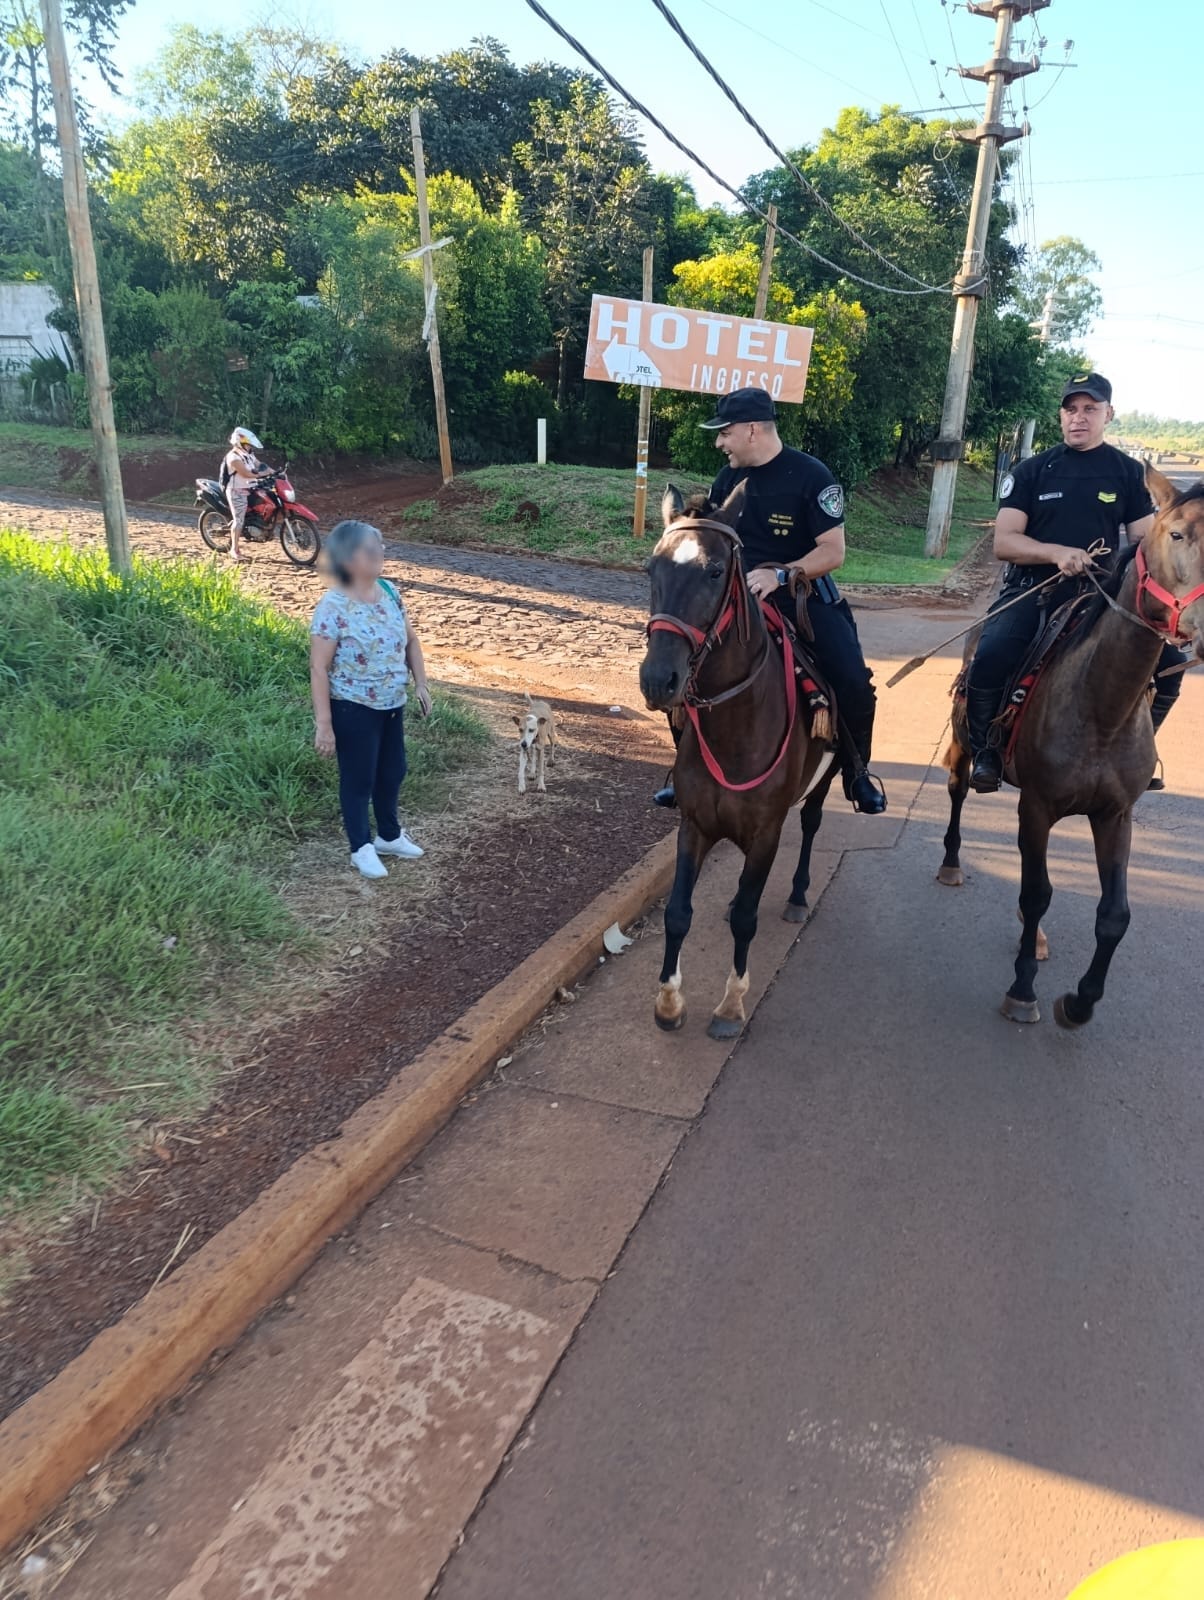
<point>733,607</point>
<point>1147,584</point>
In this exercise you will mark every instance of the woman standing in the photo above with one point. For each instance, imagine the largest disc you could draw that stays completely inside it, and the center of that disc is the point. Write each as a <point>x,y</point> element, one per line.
<point>362,654</point>
<point>239,470</point>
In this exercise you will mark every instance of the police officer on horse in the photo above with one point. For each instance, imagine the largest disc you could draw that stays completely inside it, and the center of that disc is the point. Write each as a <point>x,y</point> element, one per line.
<point>1052,510</point>
<point>793,521</point>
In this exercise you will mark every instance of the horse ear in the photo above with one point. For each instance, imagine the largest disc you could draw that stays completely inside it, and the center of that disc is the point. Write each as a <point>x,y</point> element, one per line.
<point>729,511</point>
<point>1160,487</point>
<point>672,504</point>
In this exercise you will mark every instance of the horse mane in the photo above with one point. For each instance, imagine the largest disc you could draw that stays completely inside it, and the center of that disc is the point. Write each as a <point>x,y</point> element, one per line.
<point>1196,492</point>
<point>701,505</point>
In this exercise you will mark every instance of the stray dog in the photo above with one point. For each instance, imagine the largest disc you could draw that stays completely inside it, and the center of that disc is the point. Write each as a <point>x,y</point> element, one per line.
<point>536,742</point>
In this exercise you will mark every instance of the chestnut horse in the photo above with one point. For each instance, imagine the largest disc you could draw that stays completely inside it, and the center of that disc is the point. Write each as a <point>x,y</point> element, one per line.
<point>745,755</point>
<point>1085,746</point>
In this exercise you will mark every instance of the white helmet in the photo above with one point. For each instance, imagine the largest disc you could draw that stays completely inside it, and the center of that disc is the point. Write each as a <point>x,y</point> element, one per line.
<point>244,439</point>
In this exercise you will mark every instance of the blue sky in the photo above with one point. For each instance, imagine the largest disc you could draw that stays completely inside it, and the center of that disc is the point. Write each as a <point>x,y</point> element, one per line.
<point>1109,133</point>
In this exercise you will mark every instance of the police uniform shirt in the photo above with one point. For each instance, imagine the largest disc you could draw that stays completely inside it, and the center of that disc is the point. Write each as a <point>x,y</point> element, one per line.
<point>788,503</point>
<point>1074,497</point>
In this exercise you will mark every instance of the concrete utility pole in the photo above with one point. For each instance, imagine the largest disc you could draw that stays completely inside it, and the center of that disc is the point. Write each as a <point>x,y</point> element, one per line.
<point>87,291</point>
<point>1044,329</point>
<point>971,284</point>
<point>639,514</point>
<point>431,325</point>
<point>771,234</point>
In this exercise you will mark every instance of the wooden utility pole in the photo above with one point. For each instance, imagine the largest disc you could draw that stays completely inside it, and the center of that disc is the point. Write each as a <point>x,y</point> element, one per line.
<point>640,514</point>
<point>971,282</point>
<point>771,234</point>
<point>87,291</point>
<point>431,324</point>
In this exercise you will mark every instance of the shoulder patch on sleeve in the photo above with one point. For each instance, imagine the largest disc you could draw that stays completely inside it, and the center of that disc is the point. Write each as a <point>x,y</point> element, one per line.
<point>1006,487</point>
<point>831,500</point>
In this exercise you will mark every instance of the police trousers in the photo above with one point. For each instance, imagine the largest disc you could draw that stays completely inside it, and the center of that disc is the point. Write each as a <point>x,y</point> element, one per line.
<point>1007,635</point>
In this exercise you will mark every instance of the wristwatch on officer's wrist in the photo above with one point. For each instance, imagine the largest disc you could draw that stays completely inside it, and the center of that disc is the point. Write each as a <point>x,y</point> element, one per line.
<point>782,576</point>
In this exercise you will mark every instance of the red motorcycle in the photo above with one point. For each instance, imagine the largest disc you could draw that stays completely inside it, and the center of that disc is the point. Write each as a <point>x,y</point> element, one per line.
<point>272,508</point>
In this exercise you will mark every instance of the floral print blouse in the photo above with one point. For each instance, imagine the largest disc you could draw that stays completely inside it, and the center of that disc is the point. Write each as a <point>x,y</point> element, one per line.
<point>370,639</point>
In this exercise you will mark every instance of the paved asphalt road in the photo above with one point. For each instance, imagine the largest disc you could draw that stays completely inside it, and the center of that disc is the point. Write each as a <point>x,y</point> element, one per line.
<point>919,1309</point>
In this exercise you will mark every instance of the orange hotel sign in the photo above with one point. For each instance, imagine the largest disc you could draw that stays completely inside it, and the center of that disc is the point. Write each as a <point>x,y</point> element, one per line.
<point>708,352</point>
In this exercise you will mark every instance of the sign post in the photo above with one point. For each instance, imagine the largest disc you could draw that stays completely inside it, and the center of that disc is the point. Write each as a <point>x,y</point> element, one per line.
<point>640,514</point>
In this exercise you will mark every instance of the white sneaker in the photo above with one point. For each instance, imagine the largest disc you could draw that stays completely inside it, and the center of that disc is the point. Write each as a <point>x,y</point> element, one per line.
<point>403,845</point>
<point>366,861</point>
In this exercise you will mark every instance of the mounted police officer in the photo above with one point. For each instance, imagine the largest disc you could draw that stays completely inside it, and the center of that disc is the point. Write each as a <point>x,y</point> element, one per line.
<point>1052,509</point>
<point>793,521</point>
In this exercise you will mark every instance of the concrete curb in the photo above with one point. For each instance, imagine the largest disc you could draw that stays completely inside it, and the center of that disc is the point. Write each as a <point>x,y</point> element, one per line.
<point>130,1369</point>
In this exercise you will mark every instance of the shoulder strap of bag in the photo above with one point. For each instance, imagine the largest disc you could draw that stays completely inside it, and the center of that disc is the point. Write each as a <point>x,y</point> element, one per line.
<point>392,593</point>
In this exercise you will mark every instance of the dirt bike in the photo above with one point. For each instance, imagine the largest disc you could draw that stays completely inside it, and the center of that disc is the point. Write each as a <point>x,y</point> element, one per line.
<point>272,508</point>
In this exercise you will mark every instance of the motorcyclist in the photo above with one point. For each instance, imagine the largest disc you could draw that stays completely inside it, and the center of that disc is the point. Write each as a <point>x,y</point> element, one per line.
<point>240,468</point>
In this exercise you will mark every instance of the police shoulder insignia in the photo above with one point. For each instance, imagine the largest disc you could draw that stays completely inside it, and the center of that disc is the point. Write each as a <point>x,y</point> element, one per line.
<point>831,500</point>
<point>1006,487</point>
<point>1108,499</point>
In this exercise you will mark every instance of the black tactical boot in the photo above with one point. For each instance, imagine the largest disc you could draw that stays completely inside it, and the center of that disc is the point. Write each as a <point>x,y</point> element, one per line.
<point>986,767</point>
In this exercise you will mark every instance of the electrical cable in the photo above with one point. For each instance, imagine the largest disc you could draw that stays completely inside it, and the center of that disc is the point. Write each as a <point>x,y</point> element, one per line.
<point>780,44</point>
<point>902,58</point>
<point>693,156</point>
<point>786,160</point>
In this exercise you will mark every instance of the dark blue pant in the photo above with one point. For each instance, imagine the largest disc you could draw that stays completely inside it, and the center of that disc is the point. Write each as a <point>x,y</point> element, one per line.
<point>1006,636</point>
<point>371,750</point>
<point>838,653</point>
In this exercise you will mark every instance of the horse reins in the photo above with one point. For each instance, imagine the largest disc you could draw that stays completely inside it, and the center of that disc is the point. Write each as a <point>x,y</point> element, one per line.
<point>1147,584</point>
<point>733,607</point>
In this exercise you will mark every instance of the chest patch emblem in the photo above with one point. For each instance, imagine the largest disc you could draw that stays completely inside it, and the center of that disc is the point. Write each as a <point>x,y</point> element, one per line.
<point>831,500</point>
<point>1108,499</point>
<point>1056,495</point>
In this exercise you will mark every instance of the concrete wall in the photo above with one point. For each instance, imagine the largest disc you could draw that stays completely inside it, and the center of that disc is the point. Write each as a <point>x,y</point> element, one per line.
<point>24,333</point>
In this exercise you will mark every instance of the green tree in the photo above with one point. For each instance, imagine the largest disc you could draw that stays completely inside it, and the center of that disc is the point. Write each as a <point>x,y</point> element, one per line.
<point>1063,268</point>
<point>585,193</point>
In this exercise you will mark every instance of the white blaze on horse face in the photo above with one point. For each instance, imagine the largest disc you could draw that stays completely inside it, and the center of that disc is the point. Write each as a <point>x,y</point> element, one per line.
<point>687,550</point>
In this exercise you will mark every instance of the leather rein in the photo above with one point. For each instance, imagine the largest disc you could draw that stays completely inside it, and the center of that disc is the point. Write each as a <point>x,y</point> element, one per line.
<point>733,609</point>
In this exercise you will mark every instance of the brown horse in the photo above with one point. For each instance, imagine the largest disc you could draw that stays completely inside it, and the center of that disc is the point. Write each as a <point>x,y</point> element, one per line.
<point>745,755</point>
<point>1085,746</point>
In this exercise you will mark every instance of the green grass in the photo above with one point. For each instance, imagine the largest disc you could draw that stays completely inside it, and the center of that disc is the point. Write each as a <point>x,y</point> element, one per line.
<point>156,772</point>
<point>585,514</point>
<point>33,456</point>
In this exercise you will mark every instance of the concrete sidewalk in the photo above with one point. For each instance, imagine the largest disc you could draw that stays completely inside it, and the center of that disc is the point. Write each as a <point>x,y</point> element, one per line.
<point>342,1446</point>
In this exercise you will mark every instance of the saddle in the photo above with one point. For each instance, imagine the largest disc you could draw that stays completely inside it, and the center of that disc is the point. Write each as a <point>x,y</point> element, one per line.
<point>818,695</point>
<point>1061,624</point>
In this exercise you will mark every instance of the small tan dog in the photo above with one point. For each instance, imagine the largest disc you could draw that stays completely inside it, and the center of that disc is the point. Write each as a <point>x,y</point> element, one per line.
<point>536,742</point>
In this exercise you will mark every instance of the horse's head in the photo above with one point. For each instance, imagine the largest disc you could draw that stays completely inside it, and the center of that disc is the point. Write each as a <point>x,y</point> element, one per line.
<point>694,569</point>
<point>1174,556</point>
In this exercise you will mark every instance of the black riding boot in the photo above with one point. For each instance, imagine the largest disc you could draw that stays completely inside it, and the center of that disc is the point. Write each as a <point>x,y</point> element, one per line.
<point>864,790</point>
<point>1160,708</point>
<point>667,795</point>
<point>986,768</point>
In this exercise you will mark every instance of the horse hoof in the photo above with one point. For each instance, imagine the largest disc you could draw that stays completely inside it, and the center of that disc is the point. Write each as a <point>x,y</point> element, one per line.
<point>1062,1017</point>
<point>951,877</point>
<point>724,1028</point>
<point>1019,1010</point>
<point>670,1024</point>
<point>792,912</point>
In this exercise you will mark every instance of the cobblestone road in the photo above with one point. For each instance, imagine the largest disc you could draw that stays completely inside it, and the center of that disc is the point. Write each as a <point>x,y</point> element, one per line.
<point>563,615</point>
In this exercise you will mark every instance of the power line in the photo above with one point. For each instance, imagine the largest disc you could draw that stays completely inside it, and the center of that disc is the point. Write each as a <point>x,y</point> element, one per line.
<point>693,156</point>
<point>940,88</point>
<point>779,44</point>
<point>809,188</point>
<point>1126,177</point>
<point>902,58</point>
